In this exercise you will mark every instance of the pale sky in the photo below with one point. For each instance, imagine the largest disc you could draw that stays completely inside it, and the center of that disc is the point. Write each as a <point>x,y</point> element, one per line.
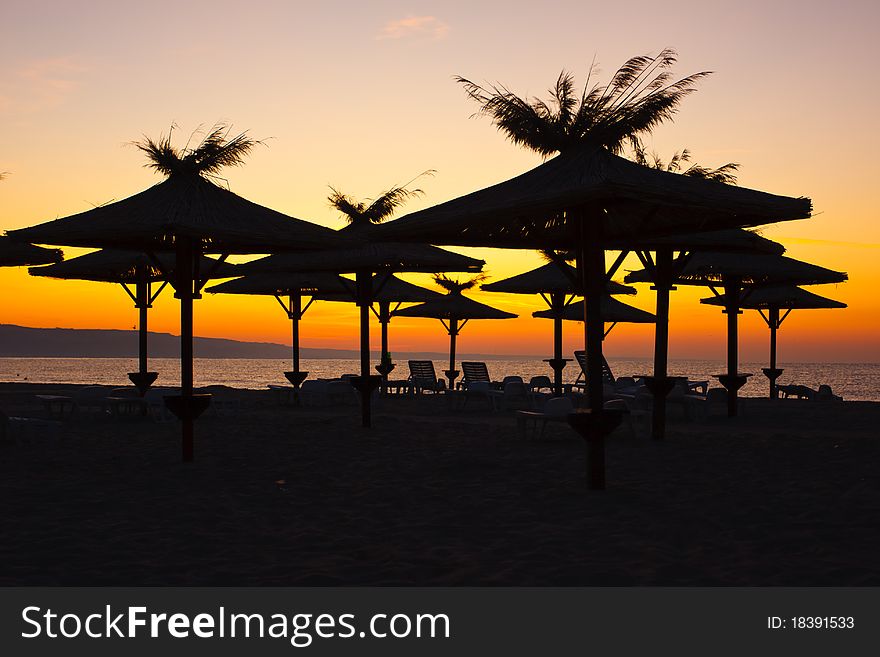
<point>361,96</point>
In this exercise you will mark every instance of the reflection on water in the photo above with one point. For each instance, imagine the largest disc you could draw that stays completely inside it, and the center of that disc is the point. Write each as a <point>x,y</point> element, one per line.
<point>852,381</point>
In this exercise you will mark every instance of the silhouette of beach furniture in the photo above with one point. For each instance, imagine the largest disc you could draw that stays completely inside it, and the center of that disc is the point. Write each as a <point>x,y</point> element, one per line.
<point>422,377</point>
<point>824,393</point>
<point>56,405</point>
<point>126,401</point>
<point>556,409</point>
<point>581,357</point>
<point>328,392</point>
<point>473,371</point>
<point>513,395</point>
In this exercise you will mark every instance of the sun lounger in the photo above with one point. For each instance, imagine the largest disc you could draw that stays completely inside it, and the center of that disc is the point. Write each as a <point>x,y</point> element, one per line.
<point>607,375</point>
<point>423,378</point>
<point>556,409</point>
<point>473,371</point>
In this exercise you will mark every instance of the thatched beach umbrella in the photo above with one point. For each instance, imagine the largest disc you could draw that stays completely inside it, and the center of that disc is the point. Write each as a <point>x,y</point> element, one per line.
<point>131,268</point>
<point>189,214</point>
<point>663,268</point>
<point>294,286</point>
<point>14,253</point>
<point>738,274</point>
<point>774,300</point>
<point>454,310</point>
<point>613,312</point>
<point>365,261</point>
<point>554,282</point>
<point>386,290</point>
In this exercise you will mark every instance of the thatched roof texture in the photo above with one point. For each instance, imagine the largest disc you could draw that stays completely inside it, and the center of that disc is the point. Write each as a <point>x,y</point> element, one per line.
<point>634,202</point>
<point>612,311</point>
<point>187,206</point>
<point>14,253</point>
<point>548,278</point>
<point>454,306</point>
<point>381,256</point>
<point>118,266</point>
<point>781,297</point>
<point>710,268</point>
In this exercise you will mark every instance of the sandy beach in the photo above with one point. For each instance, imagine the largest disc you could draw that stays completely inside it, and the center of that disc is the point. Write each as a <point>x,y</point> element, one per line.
<point>788,494</point>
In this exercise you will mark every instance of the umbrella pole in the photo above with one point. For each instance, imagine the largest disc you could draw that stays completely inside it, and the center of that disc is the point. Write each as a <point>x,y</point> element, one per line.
<point>295,313</point>
<point>773,314</point>
<point>732,381</point>
<point>295,301</point>
<point>451,373</point>
<point>365,382</point>
<point>184,292</point>
<point>660,384</point>
<point>142,292</point>
<point>557,303</point>
<point>142,379</point>
<point>385,366</point>
<point>594,423</point>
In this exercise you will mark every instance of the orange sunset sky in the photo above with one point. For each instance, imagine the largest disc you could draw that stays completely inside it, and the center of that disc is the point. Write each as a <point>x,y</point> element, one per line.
<point>361,96</point>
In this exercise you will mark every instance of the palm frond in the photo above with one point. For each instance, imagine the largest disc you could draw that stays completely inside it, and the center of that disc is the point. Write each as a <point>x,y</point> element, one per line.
<point>379,209</point>
<point>455,286</point>
<point>724,174</point>
<point>640,96</point>
<point>216,151</point>
<point>555,255</point>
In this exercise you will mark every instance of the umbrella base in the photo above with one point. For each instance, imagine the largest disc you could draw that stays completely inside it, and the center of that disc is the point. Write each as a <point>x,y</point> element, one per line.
<point>593,428</point>
<point>143,380</point>
<point>451,375</point>
<point>384,369</point>
<point>296,378</point>
<point>772,373</point>
<point>733,382</point>
<point>187,408</point>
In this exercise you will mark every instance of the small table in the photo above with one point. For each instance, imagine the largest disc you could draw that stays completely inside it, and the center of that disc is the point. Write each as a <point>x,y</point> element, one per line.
<point>57,404</point>
<point>127,405</point>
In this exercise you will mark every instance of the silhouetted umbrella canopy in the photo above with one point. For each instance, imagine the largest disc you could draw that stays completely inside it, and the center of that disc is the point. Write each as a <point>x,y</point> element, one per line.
<point>782,297</point>
<point>186,206</point>
<point>735,239</point>
<point>454,306</point>
<point>709,268</point>
<point>14,253</point>
<point>386,288</point>
<point>119,266</point>
<point>548,278</point>
<point>528,211</point>
<point>282,283</point>
<point>612,311</point>
<point>375,256</point>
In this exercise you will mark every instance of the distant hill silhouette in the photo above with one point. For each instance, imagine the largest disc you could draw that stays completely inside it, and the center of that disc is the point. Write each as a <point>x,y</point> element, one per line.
<point>26,342</point>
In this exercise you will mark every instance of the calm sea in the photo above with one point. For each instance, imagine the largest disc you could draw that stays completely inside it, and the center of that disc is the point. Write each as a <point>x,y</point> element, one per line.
<point>852,381</point>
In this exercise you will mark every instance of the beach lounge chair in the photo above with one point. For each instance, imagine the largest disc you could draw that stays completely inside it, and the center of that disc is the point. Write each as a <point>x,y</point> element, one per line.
<point>539,383</point>
<point>473,371</point>
<point>423,378</point>
<point>478,390</point>
<point>514,395</point>
<point>824,393</point>
<point>607,375</point>
<point>556,409</point>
